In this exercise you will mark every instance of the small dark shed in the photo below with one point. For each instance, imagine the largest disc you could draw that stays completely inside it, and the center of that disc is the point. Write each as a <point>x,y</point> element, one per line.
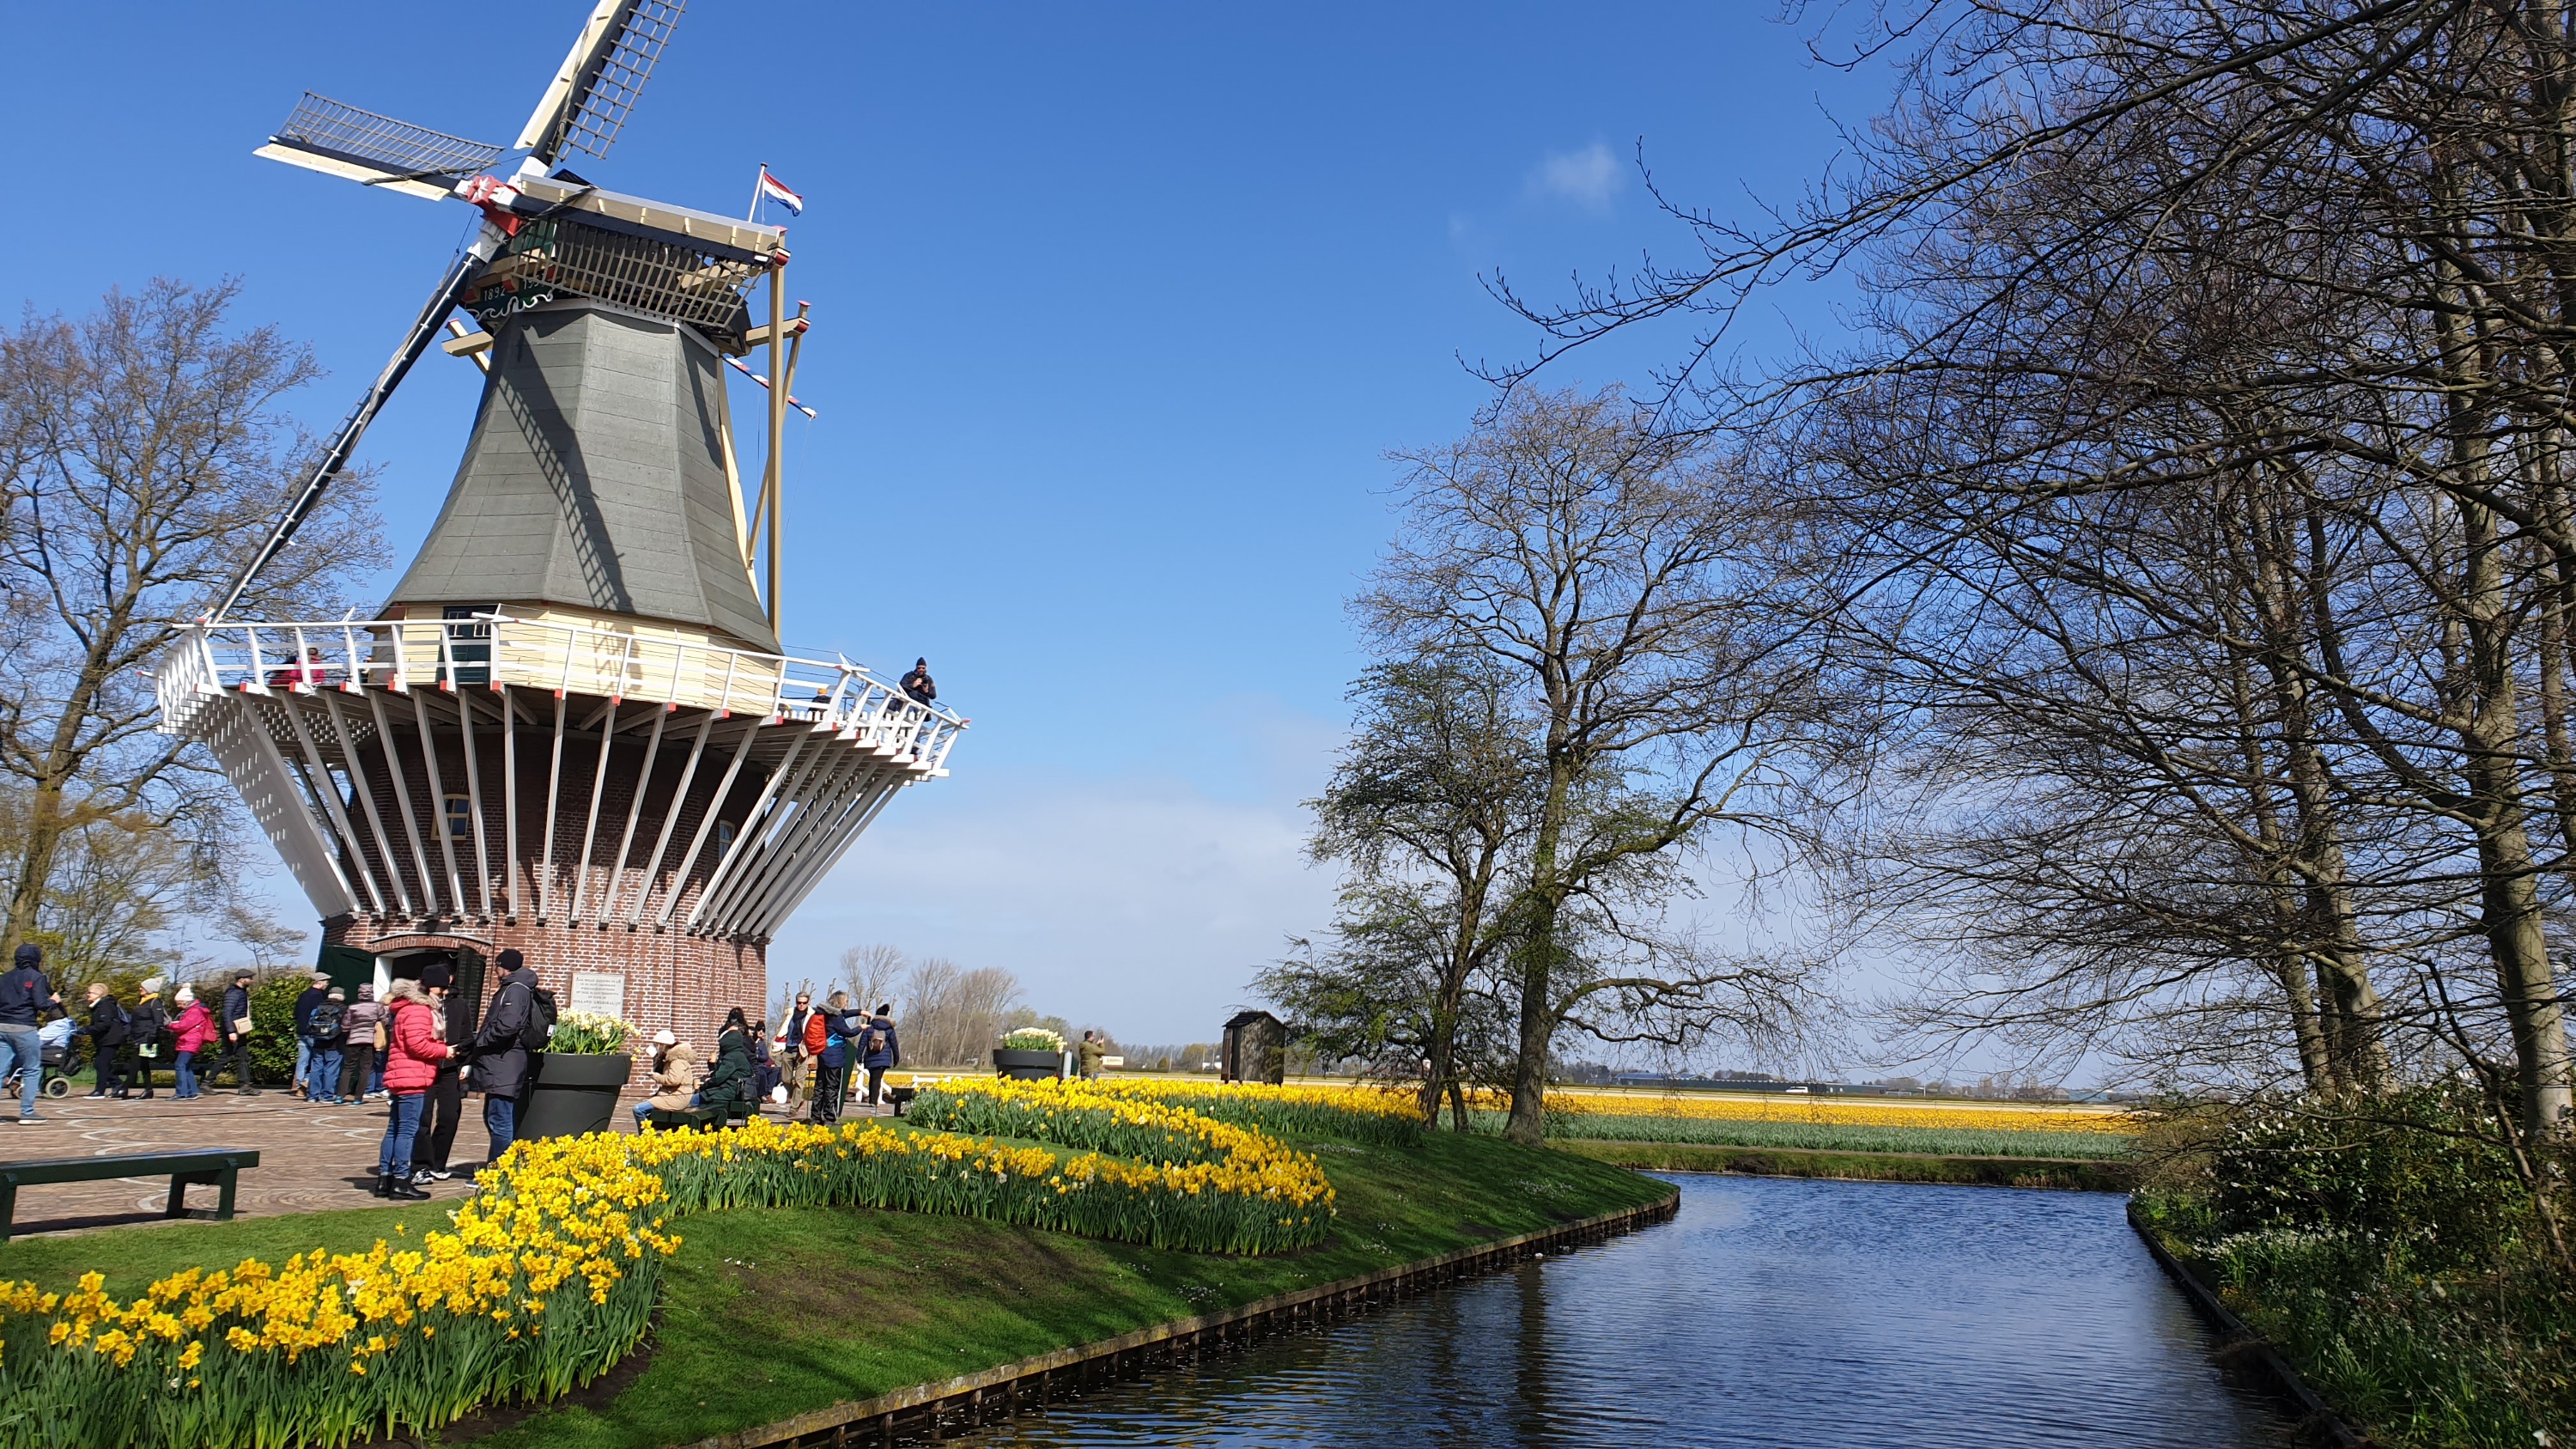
<point>1256,1048</point>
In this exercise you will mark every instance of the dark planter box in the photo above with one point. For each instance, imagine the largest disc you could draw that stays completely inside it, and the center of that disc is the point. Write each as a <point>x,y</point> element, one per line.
<point>573,1094</point>
<point>1027,1066</point>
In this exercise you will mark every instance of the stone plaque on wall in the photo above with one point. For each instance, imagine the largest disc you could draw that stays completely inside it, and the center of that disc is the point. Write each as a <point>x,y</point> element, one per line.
<point>603,992</point>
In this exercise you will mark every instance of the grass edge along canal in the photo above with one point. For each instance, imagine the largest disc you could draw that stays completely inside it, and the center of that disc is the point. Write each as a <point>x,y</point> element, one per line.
<point>766,1313</point>
<point>2064,1174</point>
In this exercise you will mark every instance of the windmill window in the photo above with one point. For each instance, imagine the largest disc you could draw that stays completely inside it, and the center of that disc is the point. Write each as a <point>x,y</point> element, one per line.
<point>724,837</point>
<point>459,817</point>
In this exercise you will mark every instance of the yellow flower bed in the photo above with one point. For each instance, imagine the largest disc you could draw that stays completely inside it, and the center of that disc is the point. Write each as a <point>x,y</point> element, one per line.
<point>1081,1114</point>
<point>549,1274</point>
<point>1834,1110</point>
<point>1364,1113</point>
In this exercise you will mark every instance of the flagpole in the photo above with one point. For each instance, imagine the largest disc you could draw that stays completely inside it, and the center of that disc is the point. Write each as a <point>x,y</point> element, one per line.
<point>753,215</point>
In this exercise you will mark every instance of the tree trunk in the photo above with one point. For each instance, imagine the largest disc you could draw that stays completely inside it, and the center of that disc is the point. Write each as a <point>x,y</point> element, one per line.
<point>1538,951</point>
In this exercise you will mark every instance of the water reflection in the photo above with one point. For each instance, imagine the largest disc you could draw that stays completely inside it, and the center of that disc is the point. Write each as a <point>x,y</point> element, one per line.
<point>1773,1312</point>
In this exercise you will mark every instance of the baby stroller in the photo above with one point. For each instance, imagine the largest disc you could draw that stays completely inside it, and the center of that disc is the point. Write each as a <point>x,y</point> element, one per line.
<point>63,1061</point>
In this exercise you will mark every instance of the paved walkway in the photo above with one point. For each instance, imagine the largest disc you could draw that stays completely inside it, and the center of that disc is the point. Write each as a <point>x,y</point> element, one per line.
<point>310,1158</point>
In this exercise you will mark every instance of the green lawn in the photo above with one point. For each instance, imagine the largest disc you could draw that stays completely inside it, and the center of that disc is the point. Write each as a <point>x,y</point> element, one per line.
<point>767,1313</point>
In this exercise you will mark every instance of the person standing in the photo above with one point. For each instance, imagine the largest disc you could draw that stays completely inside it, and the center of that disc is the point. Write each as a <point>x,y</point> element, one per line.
<point>831,1053</point>
<point>106,1041</point>
<point>879,1050</point>
<point>25,995</point>
<point>796,1056</point>
<point>329,1028</point>
<point>447,1091</point>
<point>764,1064</point>
<point>1087,1056</point>
<point>500,1050</point>
<point>361,1032</point>
<point>411,1063</point>
<point>313,996</point>
<point>143,1028</point>
<point>234,1022</point>
<point>194,1028</point>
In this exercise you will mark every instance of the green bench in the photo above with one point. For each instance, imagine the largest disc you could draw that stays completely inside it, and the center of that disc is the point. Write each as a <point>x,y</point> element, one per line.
<point>218,1167</point>
<point>700,1119</point>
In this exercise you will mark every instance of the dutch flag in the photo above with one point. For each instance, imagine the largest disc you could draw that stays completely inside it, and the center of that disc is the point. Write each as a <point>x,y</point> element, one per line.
<point>776,190</point>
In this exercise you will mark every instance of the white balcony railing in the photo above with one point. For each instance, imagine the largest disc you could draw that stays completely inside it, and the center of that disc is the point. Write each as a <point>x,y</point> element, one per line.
<point>493,650</point>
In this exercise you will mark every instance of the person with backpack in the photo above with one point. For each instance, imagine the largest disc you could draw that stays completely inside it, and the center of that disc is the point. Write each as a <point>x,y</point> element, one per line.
<point>143,1028</point>
<point>521,1018</point>
<point>306,1004</point>
<point>25,995</point>
<point>106,1040</point>
<point>411,1064</point>
<point>235,1025</point>
<point>327,1028</point>
<point>192,1031</point>
<point>829,1049</point>
<point>362,1045</point>
<point>879,1050</point>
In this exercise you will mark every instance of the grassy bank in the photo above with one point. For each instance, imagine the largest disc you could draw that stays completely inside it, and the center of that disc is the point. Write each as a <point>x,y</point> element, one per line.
<point>771,1312</point>
<point>2070,1174</point>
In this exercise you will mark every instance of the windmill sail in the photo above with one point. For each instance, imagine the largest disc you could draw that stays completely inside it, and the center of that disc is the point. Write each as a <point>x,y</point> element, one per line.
<point>596,88</point>
<point>340,139</point>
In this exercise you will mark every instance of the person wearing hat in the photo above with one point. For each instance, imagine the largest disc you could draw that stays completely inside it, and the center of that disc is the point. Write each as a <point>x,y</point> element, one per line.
<point>793,1037</point>
<point>446,1108</point>
<point>305,1005</point>
<point>675,1077</point>
<point>234,1024</point>
<point>499,1051</point>
<point>194,1028</point>
<point>143,1028</point>
<point>917,683</point>
<point>25,995</point>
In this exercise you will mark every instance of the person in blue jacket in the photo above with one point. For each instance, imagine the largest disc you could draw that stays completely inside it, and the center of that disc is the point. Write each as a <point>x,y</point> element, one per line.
<point>879,1050</point>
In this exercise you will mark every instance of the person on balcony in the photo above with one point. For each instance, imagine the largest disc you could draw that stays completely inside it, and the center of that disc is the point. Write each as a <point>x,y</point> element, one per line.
<point>917,685</point>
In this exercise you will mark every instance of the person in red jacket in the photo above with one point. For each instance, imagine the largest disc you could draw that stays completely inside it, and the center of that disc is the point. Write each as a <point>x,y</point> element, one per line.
<point>412,1054</point>
<point>195,1028</point>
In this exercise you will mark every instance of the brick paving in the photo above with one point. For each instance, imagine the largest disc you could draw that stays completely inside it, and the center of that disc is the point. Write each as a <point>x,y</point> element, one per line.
<point>310,1158</point>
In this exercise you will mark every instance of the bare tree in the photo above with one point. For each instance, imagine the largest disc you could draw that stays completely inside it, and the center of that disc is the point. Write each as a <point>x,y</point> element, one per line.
<point>870,973</point>
<point>1617,576</point>
<point>146,450</point>
<point>950,1016</point>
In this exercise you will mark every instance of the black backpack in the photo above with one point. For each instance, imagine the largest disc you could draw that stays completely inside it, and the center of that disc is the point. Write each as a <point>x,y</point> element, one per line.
<point>540,1025</point>
<point>324,1023</point>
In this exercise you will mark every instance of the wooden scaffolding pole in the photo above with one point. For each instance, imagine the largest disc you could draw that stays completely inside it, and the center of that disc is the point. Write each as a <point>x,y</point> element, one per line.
<point>772,486</point>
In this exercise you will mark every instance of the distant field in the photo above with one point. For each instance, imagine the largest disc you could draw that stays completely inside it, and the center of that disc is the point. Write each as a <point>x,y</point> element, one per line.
<point>1844,1111</point>
<point>1827,1136</point>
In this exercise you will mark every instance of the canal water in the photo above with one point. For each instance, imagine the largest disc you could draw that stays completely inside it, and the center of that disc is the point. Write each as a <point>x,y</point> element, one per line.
<point>1772,1312</point>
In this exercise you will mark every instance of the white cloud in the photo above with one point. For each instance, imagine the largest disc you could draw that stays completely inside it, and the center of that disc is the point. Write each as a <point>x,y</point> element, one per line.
<point>1590,178</point>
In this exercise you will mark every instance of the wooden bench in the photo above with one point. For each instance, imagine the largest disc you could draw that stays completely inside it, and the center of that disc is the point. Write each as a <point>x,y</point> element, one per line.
<point>216,1166</point>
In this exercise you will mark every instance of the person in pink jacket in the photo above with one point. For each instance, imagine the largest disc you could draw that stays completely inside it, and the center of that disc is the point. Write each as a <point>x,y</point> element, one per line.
<point>412,1054</point>
<point>195,1027</point>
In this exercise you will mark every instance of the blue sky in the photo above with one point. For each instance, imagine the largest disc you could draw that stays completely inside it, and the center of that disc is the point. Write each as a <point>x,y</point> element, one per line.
<point>1118,310</point>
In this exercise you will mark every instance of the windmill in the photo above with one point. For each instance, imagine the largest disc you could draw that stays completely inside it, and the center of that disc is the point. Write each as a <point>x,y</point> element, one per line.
<point>572,730</point>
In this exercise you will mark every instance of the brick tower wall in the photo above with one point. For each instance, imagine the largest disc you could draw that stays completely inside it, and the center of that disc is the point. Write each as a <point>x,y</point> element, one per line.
<point>670,978</point>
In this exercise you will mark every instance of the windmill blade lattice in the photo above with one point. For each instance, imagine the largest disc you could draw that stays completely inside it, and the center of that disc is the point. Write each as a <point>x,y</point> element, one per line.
<point>602,78</point>
<point>345,132</point>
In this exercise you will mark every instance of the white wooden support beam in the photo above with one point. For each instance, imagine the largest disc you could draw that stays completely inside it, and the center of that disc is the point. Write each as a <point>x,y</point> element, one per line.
<point>367,800</point>
<point>438,801</point>
<point>821,798</point>
<point>402,800</point>
<point>319,782</point>
<point>510,791</point>
<point>757,825</point>
<point>554,791</point>
<point>706,827</point>
<point>670,822</point>
<point>634,812</point>
<point>474,802</point>
<point>590,830</point>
